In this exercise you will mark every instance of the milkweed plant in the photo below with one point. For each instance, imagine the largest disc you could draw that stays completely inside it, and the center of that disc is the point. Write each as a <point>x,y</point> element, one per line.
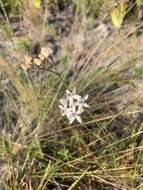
<point>73,104</point>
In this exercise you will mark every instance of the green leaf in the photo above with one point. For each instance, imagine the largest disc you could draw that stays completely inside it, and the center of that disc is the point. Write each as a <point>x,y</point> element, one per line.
<point>37,3</point>
<point>116,18</point>
<point>118,13</point>
<point>139,2</point>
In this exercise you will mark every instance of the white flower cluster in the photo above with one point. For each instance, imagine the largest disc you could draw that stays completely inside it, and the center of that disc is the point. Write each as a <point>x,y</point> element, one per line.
<point>73,105</point>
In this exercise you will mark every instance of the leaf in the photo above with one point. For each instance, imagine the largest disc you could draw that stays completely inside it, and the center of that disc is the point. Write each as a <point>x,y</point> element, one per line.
<point>37,3</point>
<point>116,18</point>
<point>118,13</point>
<point>139,2</point>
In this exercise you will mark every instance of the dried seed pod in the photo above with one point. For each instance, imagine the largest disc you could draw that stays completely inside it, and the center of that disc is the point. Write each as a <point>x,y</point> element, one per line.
<point>25,67</point>
<point>45,53</point>
<point>28,60</point>
<point>37,61</point>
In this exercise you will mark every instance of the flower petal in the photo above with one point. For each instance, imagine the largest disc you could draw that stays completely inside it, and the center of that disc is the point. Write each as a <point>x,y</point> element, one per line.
<point>73,109</point>
<point>69,113</point>
<point>70,101</point>
<point>77,97</point>
<point>86,105</point>
<point>68,92</point>
<point>78,118</point>
<point>80,109</point>
<point>63,101</point>
<point>85,97</point>
<point>74,90</point>
<point>71,120</point>
<point>61,107</point>
<point>63,113</point>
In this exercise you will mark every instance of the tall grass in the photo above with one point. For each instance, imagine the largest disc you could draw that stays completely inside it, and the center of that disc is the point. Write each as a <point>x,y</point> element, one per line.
<point>39,149</point>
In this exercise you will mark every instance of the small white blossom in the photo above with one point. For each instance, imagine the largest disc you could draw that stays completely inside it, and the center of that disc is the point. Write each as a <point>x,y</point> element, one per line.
<point>81,102</point>
<point>73,114</point>
<point>71,96</point>
<point>73,105</point>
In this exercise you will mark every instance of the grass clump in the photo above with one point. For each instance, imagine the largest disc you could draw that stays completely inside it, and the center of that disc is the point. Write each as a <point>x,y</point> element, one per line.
<point>39,148</point>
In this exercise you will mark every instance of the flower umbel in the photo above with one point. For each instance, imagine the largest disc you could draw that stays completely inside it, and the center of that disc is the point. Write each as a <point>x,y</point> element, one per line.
<point>29,61</point>
<point>73,105</point>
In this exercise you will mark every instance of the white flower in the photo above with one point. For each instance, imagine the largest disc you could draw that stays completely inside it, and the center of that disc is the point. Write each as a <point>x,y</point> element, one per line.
<point>81,102</point>
<point>71,96</point>
<point>73,105</point>
<point>73,114</point>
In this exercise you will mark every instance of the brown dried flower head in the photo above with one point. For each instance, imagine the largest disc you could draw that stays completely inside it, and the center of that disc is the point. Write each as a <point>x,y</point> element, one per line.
<point>45,53</point>
<point>37,61</point>
<point>29,60</point>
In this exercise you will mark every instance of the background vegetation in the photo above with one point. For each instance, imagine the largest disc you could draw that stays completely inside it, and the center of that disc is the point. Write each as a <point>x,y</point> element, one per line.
<point>98,48</point>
